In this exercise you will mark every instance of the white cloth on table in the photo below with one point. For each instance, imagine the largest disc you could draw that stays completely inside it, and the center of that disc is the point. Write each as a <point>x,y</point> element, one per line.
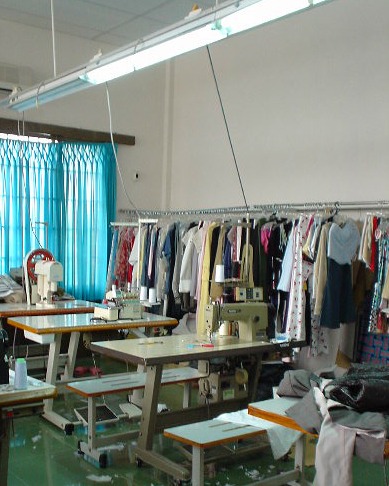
<point>281,438</point>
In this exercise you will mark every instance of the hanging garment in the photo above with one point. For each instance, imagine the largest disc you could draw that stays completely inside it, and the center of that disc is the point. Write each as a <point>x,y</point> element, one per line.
<point>259,257</point>
<point>186,265</point>
<point>231,235</point>
<point>318,343</point>
<point>205,279</point>
<point>227,259</point>
<point>338,302</point>
<point>301,270</point>
<point>382,254</point>
<point>216,290</point>
<point>343,242</point>
<point>142,252</point>
<point>364,254</point>
<point>151,266</point>
<point>111,264</point>
<point>161,263</point>
<point>265,234</point>
<point>287,265</point>
<point>320,270</point>
<point>122,254</point>
<point>373,259</point>
<point>180,231</point>
<point>247,265</point>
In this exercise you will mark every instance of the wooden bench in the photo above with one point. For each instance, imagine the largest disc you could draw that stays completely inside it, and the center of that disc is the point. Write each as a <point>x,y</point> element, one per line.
<point>207,434</point>
<point>95,388</point>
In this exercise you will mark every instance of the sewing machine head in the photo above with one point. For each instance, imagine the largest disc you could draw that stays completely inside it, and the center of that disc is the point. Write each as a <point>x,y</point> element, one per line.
<point>42,274</point>
<point>48,273</point>
<point>251,318</point>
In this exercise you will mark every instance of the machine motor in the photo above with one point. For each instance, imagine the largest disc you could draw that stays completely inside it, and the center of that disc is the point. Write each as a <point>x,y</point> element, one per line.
<point>226,381</point>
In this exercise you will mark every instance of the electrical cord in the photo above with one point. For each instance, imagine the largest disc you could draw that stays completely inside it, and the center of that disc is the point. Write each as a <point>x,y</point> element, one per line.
<point>132,204</point>
<point>27,200</point>
<point>227,128</point>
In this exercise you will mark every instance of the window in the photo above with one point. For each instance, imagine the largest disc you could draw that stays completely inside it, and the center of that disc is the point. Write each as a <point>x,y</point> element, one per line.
<point>59,196</point>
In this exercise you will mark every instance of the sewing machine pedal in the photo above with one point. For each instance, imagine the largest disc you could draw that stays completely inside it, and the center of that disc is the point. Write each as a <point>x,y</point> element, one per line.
<point>131,410</point>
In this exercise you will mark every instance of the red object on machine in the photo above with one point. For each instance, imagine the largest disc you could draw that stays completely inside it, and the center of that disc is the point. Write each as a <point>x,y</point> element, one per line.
<point>33,257</point>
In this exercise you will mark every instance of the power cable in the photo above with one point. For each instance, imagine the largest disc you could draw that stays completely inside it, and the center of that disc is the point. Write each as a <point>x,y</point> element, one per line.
<point>24,143</point>
<point>228,130</point>
<point>115,155</point>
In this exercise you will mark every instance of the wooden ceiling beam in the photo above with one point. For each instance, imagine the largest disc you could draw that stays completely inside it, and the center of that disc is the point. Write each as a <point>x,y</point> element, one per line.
<point>60,133</point>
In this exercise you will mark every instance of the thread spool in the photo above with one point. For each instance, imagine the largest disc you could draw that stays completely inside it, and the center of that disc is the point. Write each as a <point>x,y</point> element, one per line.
<point>152,295</point>
<point>20,382</point>
<point>114,291</point>
<point>219,274</point>
<point>143,293</point>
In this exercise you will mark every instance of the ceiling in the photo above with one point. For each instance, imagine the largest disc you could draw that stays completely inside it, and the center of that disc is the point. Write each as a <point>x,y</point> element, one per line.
<point>115,22</point>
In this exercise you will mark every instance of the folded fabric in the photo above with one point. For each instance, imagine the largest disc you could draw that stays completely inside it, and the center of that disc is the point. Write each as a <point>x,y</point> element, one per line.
<point>363,388</point>
<point>295,383</point>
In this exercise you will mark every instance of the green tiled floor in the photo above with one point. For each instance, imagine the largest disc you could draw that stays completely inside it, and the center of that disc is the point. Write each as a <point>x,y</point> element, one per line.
<point>43,455</point>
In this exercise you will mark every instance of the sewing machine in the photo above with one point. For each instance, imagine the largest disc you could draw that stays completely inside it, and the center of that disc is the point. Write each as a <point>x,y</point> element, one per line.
<point>49,273</point>
<point>42,274</point>
<point>228,380</point>
<point>251,318</point>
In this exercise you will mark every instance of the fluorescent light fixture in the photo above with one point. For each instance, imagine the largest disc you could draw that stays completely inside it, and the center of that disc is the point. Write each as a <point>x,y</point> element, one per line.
<point>199,29</point>
<point>46,91</point>
<point>261,13</point>
<point>138,59</point>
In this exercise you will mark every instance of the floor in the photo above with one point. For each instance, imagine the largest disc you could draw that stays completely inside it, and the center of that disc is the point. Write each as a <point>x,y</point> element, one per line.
<point>41,454</point>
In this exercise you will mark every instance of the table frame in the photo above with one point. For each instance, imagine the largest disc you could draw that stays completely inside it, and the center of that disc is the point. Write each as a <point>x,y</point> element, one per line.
<point>22,401</point>
<point>175,349</point>
<point>50,329</point>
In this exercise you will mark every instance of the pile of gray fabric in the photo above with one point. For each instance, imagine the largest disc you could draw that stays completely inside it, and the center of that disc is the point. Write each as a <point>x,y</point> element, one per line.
<point>10,291</point>
<point>343,430</point>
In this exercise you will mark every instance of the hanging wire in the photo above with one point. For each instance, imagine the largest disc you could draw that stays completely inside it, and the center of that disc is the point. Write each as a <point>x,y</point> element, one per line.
<point>26,204</point>
<point>227,128</point>
<point>115,155</point>
<point>53,39</point>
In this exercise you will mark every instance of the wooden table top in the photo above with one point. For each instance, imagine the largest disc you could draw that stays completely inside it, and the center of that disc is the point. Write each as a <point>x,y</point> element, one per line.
<point>176,348</point>
<point>60,307</point>
<point>37,390</point>
<point>66,323</point>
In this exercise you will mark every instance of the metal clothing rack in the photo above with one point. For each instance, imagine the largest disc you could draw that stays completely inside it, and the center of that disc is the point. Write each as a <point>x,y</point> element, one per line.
<point>262,209</point>
<point>249,211</point>
<point>124,224</point>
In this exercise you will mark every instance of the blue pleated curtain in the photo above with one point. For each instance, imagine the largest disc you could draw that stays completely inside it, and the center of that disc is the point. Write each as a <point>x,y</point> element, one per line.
<point>59,196</point>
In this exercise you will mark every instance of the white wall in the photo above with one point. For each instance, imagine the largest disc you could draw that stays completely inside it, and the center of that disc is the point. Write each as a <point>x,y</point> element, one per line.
<point>307,103</point>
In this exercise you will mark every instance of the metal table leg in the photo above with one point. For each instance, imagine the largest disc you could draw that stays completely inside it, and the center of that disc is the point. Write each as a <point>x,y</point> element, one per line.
<point>5,430</point>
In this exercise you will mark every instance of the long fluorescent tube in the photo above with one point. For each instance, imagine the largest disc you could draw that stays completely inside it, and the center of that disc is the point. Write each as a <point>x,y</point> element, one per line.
<point>46,91</point>
<point>146,57</point>
<point>213,25</point>
<point>201,28</point>
<point>261,13</point>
